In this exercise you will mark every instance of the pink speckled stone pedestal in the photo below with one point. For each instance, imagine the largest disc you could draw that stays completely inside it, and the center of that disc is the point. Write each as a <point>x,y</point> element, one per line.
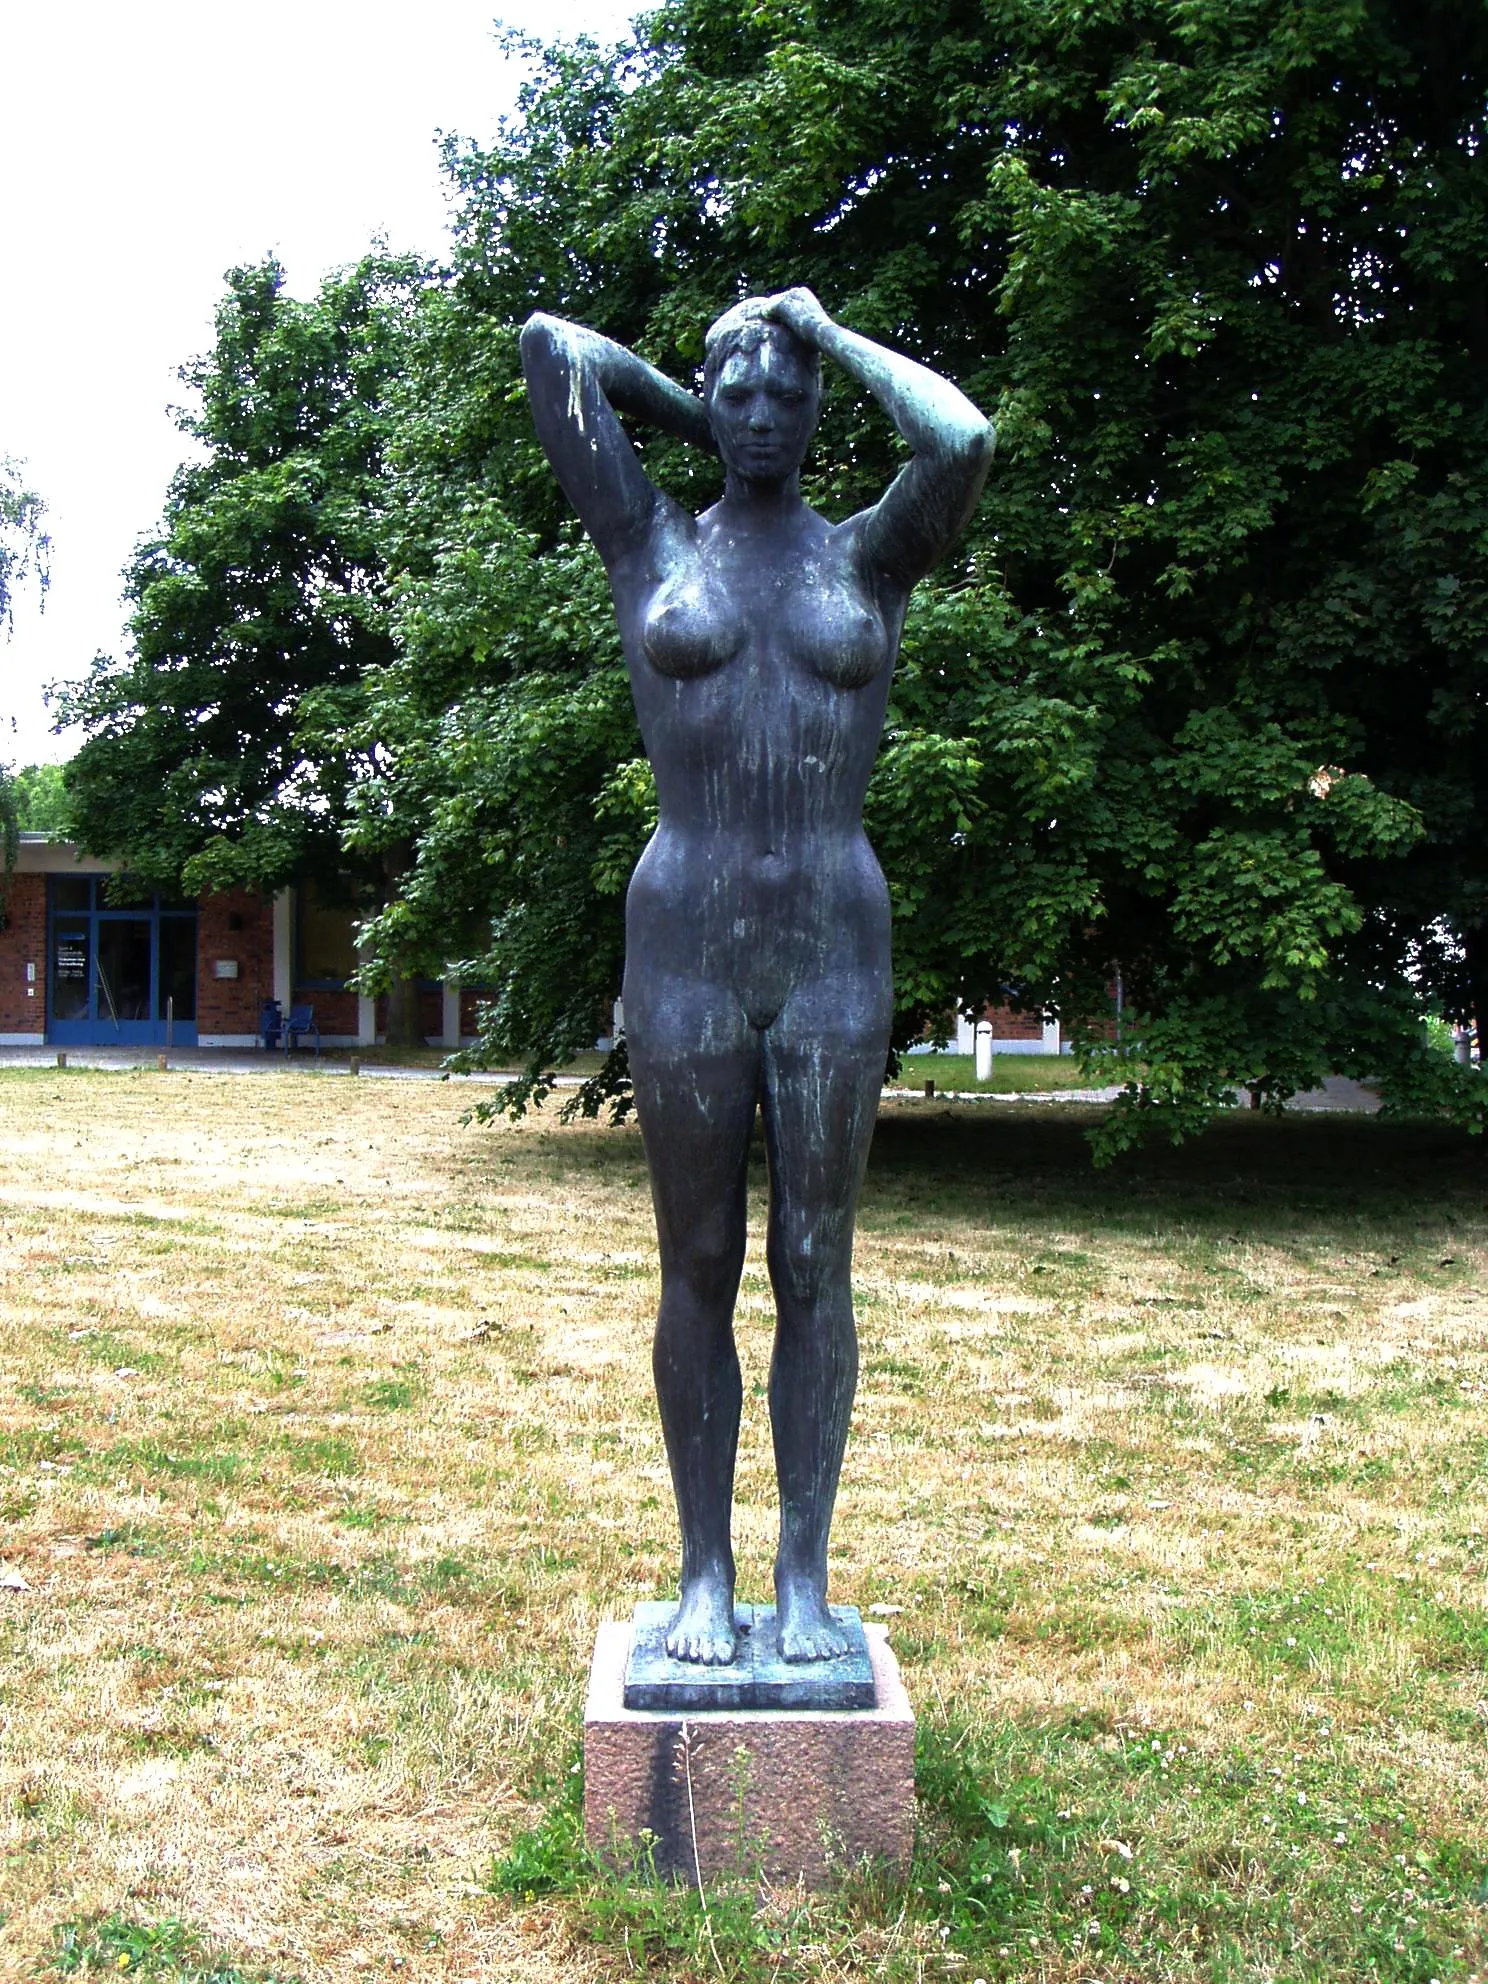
<point>787,1793</point>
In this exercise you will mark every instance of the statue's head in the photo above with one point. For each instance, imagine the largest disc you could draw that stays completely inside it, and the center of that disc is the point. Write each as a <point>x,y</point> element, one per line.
<point>762,389</point>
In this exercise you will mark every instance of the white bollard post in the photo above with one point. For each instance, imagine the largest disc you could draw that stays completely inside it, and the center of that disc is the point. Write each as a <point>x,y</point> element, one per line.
<point>984,1051</point>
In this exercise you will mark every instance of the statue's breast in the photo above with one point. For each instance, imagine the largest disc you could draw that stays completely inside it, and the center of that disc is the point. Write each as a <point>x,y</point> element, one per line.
<point>831,629</point>
<point>690,628</point>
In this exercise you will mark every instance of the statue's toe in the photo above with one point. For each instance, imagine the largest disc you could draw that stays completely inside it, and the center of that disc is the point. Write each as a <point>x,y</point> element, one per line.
<point>807,1629</point>
<point>702,1631</point>
<point>812,1646</point>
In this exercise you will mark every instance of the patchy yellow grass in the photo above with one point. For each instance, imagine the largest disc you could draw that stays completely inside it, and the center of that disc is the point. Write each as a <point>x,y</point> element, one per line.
<point>328,1439</point>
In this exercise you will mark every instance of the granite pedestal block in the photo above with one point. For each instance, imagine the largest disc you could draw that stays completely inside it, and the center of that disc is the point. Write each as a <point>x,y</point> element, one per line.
<point>788,1793</point>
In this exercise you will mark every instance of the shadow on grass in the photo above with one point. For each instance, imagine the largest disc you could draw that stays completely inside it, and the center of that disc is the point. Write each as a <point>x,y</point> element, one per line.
<point>1015,1164</point>
<point>1244,1170</point>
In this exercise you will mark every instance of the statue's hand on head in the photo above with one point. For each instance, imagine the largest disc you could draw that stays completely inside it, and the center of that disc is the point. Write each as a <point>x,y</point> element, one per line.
<point>801,313</point>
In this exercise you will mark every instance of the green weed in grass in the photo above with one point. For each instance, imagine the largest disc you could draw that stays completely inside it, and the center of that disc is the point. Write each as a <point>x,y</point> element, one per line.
<point>330,1456</point>
<point>359,1516</point>
<point>180,1461</point>
<point>167,1952</point>
<point>392,1394</point>
<point>381,1575</point>
<point>43,1395</point>
<point>131,1539</point>
<point>115,1352</point>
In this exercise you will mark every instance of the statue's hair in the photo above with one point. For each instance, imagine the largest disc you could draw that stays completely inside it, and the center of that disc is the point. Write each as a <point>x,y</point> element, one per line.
<point>745,328</point>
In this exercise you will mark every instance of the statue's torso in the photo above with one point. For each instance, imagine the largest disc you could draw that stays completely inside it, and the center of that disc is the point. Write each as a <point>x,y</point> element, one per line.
<point>761,666</point>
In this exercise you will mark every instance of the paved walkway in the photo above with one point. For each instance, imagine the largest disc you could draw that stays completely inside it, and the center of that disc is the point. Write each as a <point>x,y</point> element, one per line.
<point>1337,1094</point>
<point>237,1061</point>
<point>1340,1093</point>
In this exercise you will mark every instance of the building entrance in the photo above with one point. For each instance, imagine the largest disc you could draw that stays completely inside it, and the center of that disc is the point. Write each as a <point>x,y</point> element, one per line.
<point>118,976</point>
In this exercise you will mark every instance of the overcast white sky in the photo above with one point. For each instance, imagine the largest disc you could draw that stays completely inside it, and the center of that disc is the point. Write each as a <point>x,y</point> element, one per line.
<point>144,149</point>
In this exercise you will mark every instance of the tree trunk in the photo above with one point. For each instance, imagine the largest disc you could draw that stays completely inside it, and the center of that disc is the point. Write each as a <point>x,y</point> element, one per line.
<point>403,1026</point>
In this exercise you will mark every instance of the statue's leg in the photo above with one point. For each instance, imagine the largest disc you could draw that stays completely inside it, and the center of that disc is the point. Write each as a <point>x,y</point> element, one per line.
<point>824,1069</point>
<point>695,1062</point>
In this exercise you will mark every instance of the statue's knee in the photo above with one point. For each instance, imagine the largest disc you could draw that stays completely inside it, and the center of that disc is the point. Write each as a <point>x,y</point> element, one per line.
<point>708,1268</point>
<point>807,1271</point>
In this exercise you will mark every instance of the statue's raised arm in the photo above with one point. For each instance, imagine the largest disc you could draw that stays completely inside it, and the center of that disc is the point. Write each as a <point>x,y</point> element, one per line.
<point>577,381</point>
<point>912,526</point>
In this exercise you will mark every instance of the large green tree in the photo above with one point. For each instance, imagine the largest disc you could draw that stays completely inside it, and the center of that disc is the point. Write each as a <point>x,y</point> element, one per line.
<point>1200,701</point>
<point>42,806</point>
<point>214,752</point>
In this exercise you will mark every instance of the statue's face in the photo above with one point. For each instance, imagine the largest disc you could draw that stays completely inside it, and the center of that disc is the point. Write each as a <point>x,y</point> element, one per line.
<point>763,408</point>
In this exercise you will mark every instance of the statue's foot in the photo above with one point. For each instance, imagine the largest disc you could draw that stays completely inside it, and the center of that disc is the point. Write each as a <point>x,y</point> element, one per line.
<point>806,1628</point>
<point>703,1627</point>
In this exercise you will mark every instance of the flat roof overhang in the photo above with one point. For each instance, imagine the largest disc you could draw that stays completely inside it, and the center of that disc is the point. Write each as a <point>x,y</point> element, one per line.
<point>39,854</point>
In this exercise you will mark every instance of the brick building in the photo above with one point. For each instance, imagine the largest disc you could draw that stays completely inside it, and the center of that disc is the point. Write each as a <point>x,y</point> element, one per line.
<point>1012,1033</point>
<point>77,968</point>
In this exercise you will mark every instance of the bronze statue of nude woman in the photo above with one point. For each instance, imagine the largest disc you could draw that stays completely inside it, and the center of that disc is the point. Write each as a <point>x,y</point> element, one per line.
<point>761,640</point>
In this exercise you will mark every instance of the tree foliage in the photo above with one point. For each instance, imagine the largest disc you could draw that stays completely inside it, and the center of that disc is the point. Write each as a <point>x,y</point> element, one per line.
<point>24,543</point>
<point>213,755</point>
<point>33,800</point>
<point>1199,700</point>
<point>42,805</point>
<point>10,834</point>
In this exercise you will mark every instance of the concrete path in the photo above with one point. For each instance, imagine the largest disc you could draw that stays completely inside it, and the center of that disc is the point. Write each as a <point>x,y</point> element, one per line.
<point>1337,1094</point>
<point>235,1061</point>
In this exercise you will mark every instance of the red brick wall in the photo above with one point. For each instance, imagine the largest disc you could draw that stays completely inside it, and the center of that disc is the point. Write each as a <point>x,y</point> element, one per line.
<point>335,1012</point>
<point>231,1005</point>
<point>23,942</point>
<point>1008,1025</point>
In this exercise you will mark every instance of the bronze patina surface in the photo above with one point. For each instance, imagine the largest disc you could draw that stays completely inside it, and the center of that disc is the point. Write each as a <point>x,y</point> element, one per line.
<point>761,641</point>
<point>757,1676</point>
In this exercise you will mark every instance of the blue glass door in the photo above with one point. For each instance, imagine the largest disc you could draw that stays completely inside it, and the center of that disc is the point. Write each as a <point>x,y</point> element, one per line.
<point>122,968</point>
<point>118,977</point>
<point>69,998</point>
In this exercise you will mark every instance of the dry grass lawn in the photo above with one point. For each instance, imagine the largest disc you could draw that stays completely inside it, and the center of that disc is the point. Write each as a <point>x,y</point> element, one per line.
<point>326,1438</point>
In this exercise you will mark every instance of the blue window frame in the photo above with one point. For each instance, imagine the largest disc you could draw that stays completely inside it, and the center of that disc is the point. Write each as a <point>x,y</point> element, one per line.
<point>118,975</point>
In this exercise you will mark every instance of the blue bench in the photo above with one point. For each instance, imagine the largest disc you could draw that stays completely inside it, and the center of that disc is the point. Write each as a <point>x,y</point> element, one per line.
<point>301,1022</point>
